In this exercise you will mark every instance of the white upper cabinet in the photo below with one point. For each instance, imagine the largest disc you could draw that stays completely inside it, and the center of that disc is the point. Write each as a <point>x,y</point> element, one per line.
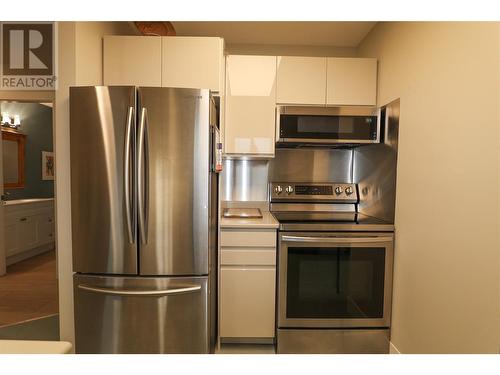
<point>301,80</point>
<point>351,81</point>
<point>250,105</point>
<point>132,60</point>
<point>195,62</point>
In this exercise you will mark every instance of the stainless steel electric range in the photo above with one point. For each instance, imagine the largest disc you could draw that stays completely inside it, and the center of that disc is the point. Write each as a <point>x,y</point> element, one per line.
<point>334,270</point>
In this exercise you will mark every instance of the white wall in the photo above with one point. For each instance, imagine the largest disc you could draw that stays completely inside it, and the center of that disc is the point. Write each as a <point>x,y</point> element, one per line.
<point>289,50</point>
<point>79,63</point>
<point>447,257</point>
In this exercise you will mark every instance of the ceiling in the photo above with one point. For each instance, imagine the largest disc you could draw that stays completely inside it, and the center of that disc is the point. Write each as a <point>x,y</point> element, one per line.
<point>339,34</point>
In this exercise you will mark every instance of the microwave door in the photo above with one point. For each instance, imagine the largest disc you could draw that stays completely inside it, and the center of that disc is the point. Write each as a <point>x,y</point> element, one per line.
<point>316,127</point>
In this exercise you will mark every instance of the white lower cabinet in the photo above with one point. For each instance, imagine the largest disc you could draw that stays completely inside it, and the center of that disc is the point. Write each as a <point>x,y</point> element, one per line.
<point>247,302</point>
<point>247,284</point>
<point>28,226</point>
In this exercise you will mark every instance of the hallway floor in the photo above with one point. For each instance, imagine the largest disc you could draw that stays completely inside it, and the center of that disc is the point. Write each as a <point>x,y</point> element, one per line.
<point>29,290</point>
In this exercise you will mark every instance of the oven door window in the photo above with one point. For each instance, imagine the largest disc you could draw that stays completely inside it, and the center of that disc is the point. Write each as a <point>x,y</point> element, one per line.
<point>335,282</point>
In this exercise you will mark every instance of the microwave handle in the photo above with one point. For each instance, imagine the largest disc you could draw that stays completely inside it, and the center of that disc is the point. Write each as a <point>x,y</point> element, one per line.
<point>337,239</point>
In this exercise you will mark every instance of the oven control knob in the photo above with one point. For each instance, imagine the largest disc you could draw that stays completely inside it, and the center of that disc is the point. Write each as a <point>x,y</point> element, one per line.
<point>289,189</point>
<point>278,189</point>
<point>348,190</point>
<point>338,190</point>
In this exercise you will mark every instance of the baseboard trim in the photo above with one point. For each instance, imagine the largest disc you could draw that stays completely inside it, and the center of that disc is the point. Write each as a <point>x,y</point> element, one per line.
<point>246,340</point>
<point>29,253</point>
<point>393,349</point>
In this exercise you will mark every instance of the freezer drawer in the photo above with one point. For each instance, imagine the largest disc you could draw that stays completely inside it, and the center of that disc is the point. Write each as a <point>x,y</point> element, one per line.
<point>141,314</point>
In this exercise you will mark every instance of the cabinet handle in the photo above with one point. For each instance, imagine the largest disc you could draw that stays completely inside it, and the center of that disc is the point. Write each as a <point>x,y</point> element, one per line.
<point>50,234</point>
<point>23,219</point>
<point>50,220</point>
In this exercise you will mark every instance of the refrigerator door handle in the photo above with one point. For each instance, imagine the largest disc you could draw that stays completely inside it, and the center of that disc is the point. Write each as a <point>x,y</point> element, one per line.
<point>126,175</point>
<point>143,176</point>
<point>121,292</point>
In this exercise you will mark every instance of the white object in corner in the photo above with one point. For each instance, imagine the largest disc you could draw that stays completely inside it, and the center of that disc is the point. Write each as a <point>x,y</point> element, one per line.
<point>34,347</point>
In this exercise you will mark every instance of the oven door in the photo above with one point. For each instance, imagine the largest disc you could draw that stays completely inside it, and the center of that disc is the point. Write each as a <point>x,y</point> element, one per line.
<point>335,280</point>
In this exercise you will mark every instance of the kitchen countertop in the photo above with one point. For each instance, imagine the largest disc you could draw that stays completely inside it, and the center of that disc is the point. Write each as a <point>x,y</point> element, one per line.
<point>26,201</point>
<point>266,222</point>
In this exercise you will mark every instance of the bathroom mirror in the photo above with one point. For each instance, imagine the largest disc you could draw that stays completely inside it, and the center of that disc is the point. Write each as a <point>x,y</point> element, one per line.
<point>13,159</point>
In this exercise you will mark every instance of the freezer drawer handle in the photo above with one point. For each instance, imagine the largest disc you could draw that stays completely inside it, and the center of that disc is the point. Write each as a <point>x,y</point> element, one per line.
<point>118,292</point>
<point>336,239</point>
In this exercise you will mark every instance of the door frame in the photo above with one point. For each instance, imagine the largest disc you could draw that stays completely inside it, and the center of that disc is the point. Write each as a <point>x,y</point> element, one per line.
<point>26,97</point>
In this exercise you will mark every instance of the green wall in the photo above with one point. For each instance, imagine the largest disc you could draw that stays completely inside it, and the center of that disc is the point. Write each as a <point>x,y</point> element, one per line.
<point>36,123</point>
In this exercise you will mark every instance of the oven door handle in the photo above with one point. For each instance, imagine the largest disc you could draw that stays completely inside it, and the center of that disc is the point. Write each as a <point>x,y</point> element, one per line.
<point>337,239</point>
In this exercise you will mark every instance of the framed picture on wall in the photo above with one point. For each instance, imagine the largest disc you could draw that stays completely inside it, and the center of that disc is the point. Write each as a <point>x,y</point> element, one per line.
<point>47,165</point>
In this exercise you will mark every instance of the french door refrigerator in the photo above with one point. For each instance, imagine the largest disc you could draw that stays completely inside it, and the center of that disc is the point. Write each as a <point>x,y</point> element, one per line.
<point>144,219</point>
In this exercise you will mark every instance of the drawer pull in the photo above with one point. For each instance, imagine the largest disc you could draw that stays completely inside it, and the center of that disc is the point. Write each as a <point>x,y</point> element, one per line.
<point>23,219</point>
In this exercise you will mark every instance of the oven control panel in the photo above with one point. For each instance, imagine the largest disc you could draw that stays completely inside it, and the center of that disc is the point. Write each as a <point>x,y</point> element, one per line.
<point>300,192</point>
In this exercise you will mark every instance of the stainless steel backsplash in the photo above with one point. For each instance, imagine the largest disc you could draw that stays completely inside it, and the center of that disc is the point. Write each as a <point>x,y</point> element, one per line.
<point>247,180</point>
<point>311,165</point>
<point>374,169</point>
<point>244,180</point>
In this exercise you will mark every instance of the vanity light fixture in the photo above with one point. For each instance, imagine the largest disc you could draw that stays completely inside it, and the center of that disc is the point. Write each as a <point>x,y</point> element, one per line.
<point>5,119</point>
<point>17,121</point>
<point>11,122</point>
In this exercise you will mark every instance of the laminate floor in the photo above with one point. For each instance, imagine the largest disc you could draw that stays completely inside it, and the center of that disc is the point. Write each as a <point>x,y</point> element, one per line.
<point>29,290</point>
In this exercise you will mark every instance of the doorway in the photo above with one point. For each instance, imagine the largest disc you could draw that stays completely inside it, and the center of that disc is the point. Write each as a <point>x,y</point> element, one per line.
<point>29,303</point>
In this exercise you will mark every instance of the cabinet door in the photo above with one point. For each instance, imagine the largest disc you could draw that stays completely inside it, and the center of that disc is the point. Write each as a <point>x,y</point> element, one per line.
<point>28,232</point>
<point>247,302</point>
<point>132,61</point>
<point>193,62</point>
<point>351,81</point>
<point>250,105</point>
<point>11,236</point>
<point>46,228</point>
<point>301,80</point>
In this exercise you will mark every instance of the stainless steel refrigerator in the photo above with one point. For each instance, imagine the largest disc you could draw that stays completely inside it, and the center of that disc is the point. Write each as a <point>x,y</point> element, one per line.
<point>144,219</point>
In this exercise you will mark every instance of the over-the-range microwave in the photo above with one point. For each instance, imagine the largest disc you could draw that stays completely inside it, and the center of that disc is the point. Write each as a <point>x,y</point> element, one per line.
<point>326,126</point>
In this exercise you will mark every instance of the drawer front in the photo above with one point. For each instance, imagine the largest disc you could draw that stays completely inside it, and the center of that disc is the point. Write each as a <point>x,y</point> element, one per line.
<point>248,256</point>
<point>247,302</point>
<point>248,238</point>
